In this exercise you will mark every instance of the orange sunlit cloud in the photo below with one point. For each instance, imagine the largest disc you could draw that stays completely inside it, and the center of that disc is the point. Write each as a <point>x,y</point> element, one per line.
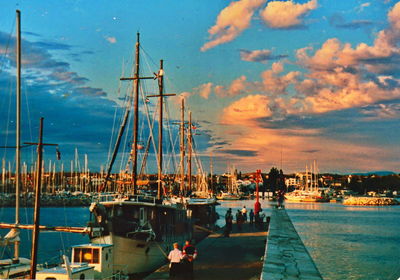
<point>286,14</point>
<point>231,22</point>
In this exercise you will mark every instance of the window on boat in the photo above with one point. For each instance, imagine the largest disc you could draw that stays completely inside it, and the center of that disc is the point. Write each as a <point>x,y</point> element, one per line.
<point>88,255</point>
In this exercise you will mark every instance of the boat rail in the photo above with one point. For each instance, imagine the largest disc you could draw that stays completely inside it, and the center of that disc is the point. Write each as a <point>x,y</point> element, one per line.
<point>124,197</point>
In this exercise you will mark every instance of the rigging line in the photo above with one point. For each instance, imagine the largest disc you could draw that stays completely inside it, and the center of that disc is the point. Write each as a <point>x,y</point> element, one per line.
<point>170,138</point>
<point>8,119</point>
<point>115,115</point>
<point>125,144</point>
<point>149,57</point>
<point>3,60</point>
<point>25,94</point>
<point>198,162</point>
<point>151,124</point>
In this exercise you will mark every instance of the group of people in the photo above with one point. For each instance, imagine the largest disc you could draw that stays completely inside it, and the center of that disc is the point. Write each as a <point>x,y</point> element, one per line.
<point>181,262</point>
<point>241,218</point>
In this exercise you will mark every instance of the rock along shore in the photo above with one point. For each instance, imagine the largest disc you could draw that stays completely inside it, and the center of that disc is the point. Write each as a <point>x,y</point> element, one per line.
<point>372,201</point>
<point>46,200</point>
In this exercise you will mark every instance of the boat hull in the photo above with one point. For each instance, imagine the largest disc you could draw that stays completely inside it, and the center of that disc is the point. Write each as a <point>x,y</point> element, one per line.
<point>137,257</point>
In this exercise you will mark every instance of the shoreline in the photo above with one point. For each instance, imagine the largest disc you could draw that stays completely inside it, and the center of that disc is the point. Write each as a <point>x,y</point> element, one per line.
<point>46,200</point>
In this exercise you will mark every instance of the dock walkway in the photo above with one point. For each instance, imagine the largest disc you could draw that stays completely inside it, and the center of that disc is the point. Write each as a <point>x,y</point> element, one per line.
<point>286,257</point>
<point>239,256</point>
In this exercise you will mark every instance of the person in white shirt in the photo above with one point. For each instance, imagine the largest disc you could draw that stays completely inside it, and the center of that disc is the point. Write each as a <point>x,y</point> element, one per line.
<point>175,257</point>
<point>244,213</point>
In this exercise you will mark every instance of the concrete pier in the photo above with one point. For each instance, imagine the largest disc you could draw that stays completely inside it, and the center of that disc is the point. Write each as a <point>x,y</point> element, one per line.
<point>286,257</point>
<point>239,256</point>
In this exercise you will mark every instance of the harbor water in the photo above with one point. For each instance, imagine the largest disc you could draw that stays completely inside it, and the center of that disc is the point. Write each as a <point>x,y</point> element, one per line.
<point>346,242</point>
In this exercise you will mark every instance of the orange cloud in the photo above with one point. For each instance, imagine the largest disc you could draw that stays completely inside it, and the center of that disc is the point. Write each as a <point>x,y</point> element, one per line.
<point>231,22</point>
<point>238,86</point>
<point>246,110</point>
<point>286,14</point>
<point>275,84</point>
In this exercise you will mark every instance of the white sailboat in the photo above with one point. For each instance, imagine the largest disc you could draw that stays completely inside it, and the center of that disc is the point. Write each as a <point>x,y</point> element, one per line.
<point>310,191</point>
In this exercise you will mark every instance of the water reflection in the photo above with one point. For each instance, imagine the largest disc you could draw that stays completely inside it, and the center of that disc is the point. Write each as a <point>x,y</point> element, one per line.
<point>348,242</point>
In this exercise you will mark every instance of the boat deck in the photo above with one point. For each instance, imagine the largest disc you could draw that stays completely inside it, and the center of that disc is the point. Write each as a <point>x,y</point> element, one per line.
<point>239,256</point>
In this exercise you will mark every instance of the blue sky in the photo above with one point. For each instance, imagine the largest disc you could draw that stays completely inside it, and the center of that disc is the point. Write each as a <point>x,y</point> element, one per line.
<point>269,83</point>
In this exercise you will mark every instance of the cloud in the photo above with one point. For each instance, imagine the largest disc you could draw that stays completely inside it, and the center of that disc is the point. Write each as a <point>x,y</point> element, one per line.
<point>246,109</point>
<point>361,8</point>
<point>111,40</point>
<point>42,69</point>
<point>381,111</point>
<point>338,21</point>
<point>204,90</point>
<point>262,56</point>
<point>237,87</point>
<point>355,24</point>
<point>231,22</point>
<point>286,14</point>
<point>52,46</point>
<point>241,153</point>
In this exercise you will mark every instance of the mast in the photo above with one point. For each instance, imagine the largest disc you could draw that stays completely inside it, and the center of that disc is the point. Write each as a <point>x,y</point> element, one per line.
<point>136,112</point>
<point>190,152</point>
<point>161,95</point>
<point>182,164</point>
<point>136,79</point>
<point>36,218</point>
<point>160,126</point>
<point>18,132</point>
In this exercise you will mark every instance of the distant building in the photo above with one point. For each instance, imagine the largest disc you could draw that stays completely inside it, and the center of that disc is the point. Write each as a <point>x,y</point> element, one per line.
<point>292,182</point>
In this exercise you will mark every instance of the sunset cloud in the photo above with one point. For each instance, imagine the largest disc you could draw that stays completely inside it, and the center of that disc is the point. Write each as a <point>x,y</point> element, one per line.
<point>246,109</point>
<point>273,83</point>
<point>238,86</point>
<point>262,56</point>
<point>286,14</point>
<point>231,22</point>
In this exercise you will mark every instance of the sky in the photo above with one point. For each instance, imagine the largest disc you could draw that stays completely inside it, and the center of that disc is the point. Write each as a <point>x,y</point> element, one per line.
<point>269,83</point>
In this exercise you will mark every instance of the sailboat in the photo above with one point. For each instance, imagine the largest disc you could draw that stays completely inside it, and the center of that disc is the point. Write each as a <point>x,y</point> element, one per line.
<point>200,203</point>
<point>16,266</point>
<point>141,228</point>
<point>232,192</point>
<point>309,193</point>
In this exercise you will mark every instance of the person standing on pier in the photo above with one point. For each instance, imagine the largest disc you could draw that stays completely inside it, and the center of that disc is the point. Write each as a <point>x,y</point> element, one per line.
<point>251,216</point>
<point>175,257</point>
<point>228,222</point>
<point>189,255</point>
<point>239,220</point>
<point>244,213</point>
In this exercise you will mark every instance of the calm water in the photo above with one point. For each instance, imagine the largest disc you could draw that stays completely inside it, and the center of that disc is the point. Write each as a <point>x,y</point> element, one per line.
<point>345,242</point>
<point>348,242</point>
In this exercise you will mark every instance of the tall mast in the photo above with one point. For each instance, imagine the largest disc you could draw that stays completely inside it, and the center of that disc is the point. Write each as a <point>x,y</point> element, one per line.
<point>136,79</point>
<point>161,95</point>
<point>182,188</point>
<point>160,127</point>
<point>18,131</point>
<point>136,112</point>
<point>190,152</point>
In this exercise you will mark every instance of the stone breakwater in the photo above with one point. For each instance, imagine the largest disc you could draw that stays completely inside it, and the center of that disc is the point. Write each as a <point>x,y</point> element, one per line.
<point>46,200</point>
<point>373,201</point>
